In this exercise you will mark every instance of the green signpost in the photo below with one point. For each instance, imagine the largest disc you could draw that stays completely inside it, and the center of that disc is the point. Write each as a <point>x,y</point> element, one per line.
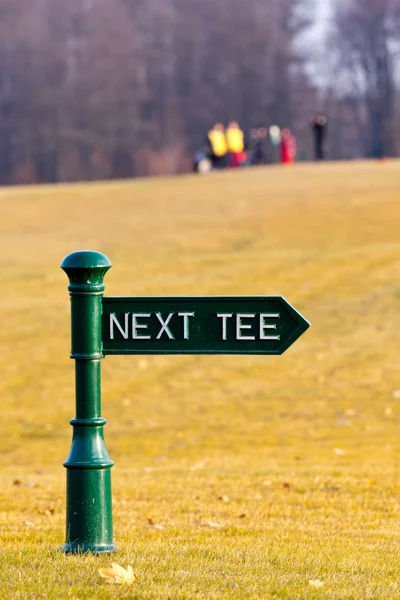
<point>140,325</point>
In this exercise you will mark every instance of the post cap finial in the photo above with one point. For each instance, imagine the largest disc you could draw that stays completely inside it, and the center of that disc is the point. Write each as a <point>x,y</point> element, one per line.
<point>85,259</point>
<point>86,270</point>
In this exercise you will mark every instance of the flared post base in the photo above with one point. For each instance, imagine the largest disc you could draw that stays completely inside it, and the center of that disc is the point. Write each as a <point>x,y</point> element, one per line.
<point>87,548</point>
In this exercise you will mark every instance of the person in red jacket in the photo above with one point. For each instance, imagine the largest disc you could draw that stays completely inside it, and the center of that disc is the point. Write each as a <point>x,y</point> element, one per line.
<point>288,147</point>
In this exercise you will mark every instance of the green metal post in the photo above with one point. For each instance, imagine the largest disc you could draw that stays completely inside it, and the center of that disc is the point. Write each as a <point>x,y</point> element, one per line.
<point>89,502</point>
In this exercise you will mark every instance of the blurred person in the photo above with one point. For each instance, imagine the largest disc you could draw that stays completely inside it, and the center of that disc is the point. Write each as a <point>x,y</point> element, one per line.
<point>252,137</point>
<point>319,128</point>
<point>275,142</point>
<point>217,147</point>
<point>260,148</point>
<point>288,147</point>
<point>236,145</point>
<point>202,164</point>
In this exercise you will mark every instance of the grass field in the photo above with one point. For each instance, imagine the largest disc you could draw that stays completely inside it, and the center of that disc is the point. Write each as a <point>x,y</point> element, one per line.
<point>266,473</point>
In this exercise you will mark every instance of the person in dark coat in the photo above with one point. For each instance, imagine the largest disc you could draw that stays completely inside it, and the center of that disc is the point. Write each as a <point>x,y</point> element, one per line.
<point>319,127</point>
<point>260,150</point>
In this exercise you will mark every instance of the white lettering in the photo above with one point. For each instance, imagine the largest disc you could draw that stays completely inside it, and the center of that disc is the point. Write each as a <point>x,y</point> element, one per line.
<point>240,326</point>
<point>136,326</point>
<point>164,327</point>
<point>114,321</point>
<point>224,318</point>
<point>186,323</point>
<point>264,326</point>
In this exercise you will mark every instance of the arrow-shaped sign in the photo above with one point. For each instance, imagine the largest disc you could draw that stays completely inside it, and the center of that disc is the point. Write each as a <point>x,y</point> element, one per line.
<point>203,325</point>
<point>210,325</point>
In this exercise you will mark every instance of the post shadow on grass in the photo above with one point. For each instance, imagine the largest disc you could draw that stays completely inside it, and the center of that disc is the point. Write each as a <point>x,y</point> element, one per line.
<point>89,501</point>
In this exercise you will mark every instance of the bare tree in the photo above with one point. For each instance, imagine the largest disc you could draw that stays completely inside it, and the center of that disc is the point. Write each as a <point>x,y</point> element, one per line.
<point>367,37</point>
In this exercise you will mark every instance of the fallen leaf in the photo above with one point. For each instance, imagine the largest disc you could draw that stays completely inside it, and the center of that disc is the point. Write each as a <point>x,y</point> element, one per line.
<point>17,482</point>
<point>372,482</point>
<point>350,412</point>
<point>200,464</point>
<point>117,574</point>
<point>225,499</point>
<point>49,512</point>
<point>154,525</point>
<point>214,524</point>
<point>344,422</point>
<point>317,583</point>
<point>286,485</point>
<point>242,516</point>
<point>339,451</point>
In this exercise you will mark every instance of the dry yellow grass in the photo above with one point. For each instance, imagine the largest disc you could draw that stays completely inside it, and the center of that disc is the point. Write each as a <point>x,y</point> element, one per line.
<point>303,449</point>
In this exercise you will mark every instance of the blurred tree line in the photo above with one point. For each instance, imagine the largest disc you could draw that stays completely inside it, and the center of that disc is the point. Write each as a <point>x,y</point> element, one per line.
<point>363,62</point>
<point>94,89</point>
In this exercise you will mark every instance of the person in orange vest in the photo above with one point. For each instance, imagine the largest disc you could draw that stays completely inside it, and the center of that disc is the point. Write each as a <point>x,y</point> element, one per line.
<point>288,147</point>
<point>236,147</point>
<point>217,146</point>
